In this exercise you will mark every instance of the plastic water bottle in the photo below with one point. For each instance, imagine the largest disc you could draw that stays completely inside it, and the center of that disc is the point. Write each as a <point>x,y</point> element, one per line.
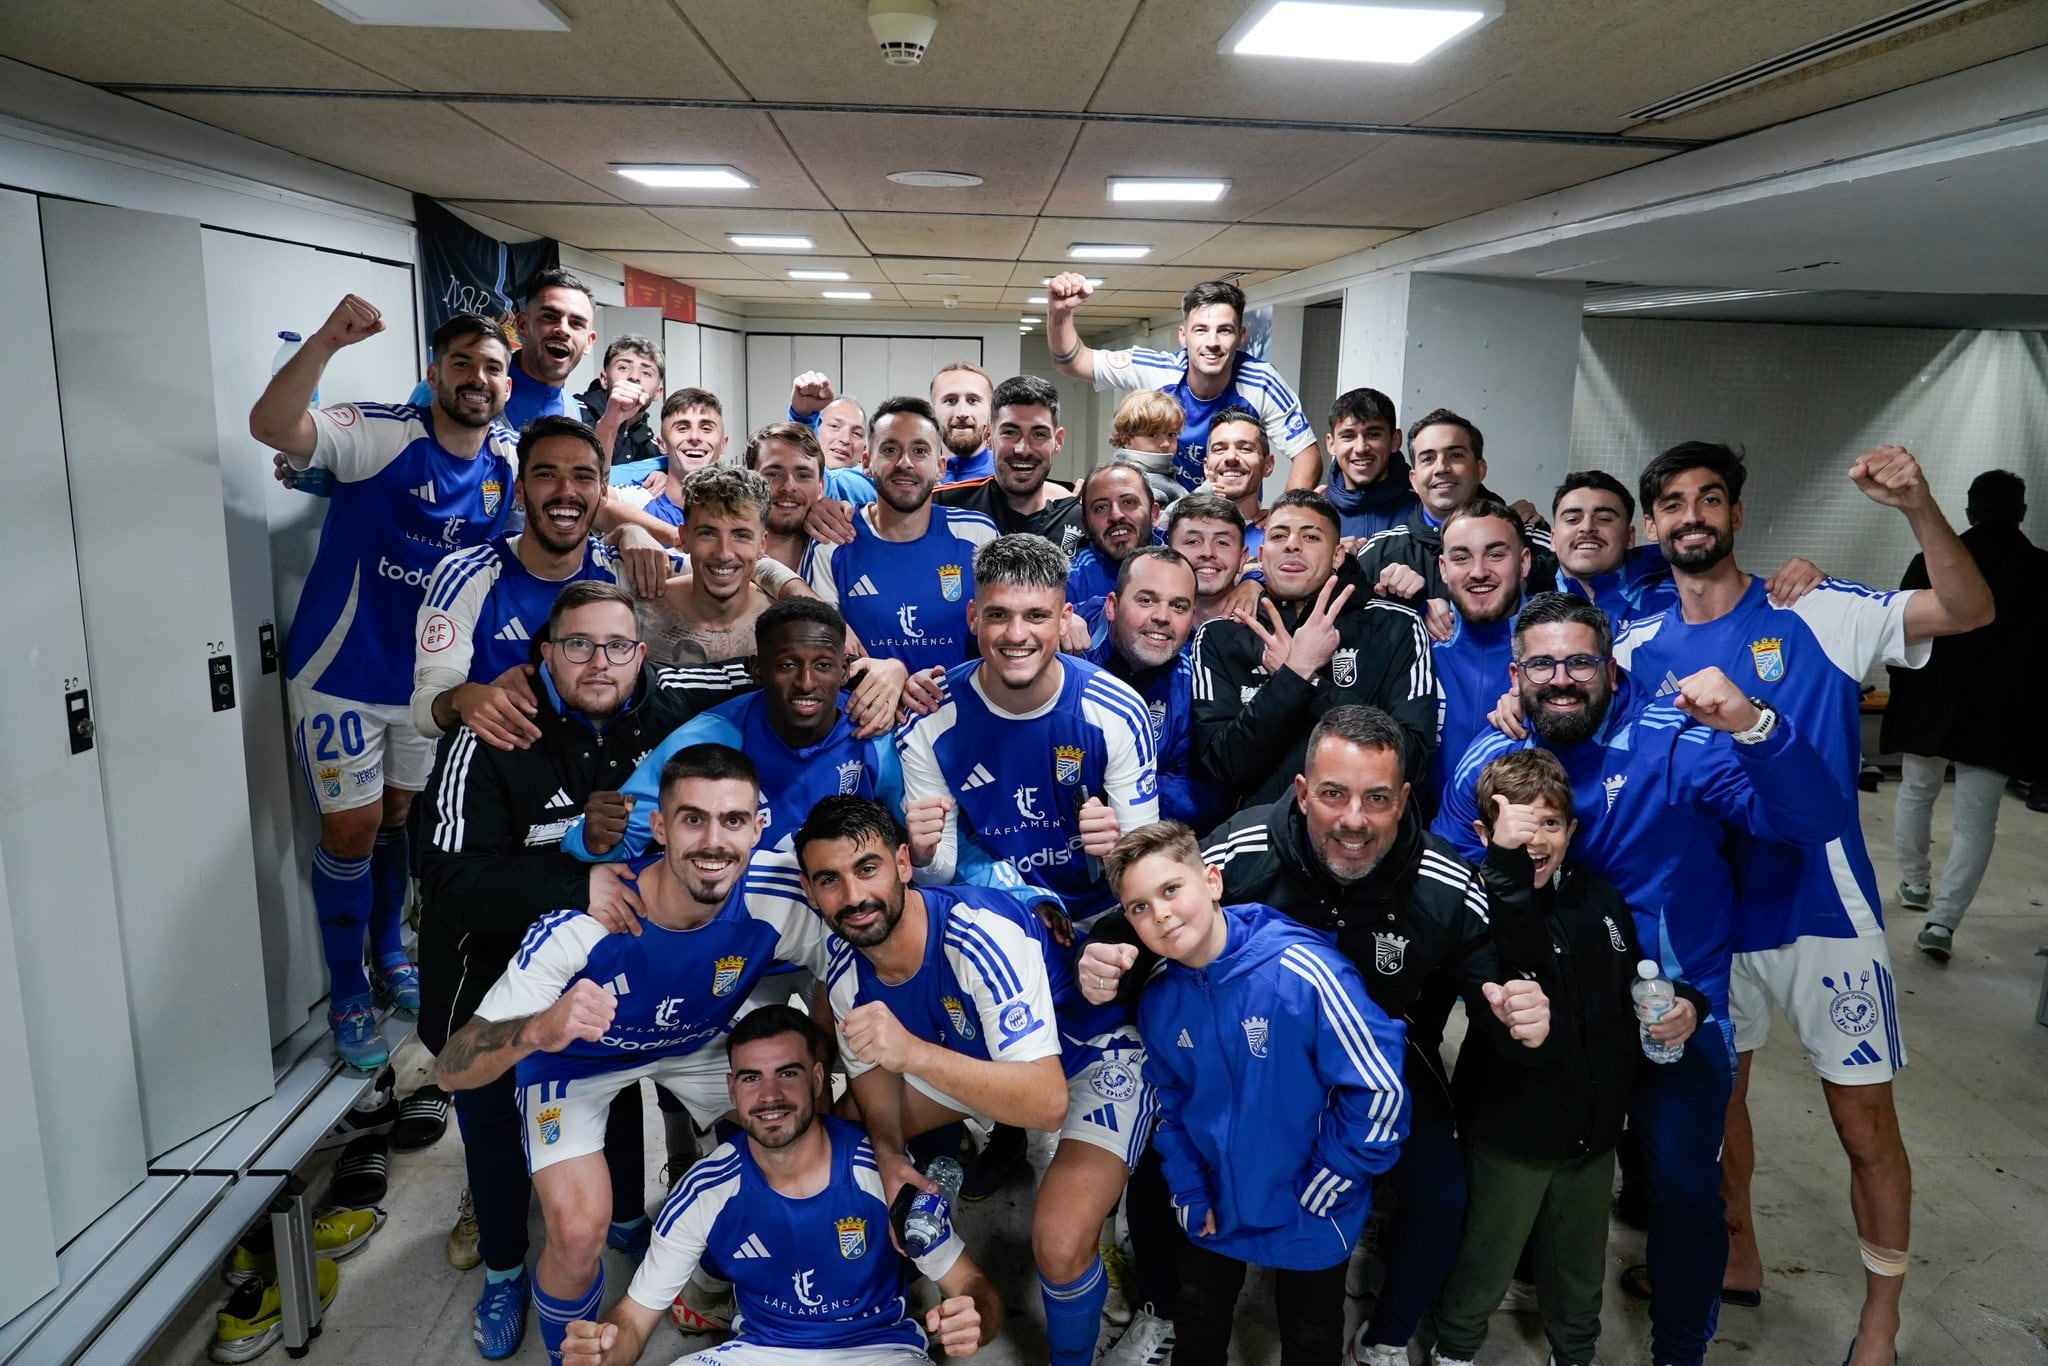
<point>319,483</point>
<point>1654,996</point>
<point>931,1216</point>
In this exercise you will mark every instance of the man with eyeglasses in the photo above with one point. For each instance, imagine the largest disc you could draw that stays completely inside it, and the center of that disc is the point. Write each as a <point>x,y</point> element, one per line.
<point>1656,774</point>
<point>492,866</point>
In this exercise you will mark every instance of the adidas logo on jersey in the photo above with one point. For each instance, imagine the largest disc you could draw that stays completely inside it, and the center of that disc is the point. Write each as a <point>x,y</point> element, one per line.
<point>1864,1056</point>
<point>425,492</point>
<point>863,587</point>
<point>513,630</point>
<point>561,798</point>
<point>980,777</point>
<point>1669,685</point>
<point>617,986</point>
<point>1184,1041</point>
<point>752,1248</point>
<point>1105,1118</point>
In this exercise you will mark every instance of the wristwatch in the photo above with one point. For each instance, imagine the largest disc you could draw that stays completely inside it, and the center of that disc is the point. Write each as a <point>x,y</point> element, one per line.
<point>1766,722</point>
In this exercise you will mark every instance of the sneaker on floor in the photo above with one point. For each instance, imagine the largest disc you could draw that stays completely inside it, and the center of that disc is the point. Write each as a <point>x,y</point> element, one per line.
<point>253,1317</point>
<point>1121,1302</point>
<point>399,988</point>
<point>1937,942</point>
<point>356,1039</point>
<point>1915,898</point>
<point>1147,1342</point>
<point>337,1233</point>
<point>1437,1358</point>
<point>375,1112</point>
<point>363,1175</point>
<point>1519,1299</point>
<point>697,1310</point>
<point>1003,1156</point>
<point>422,1119</point>
<point>463,1252</point>
<point>1364,1353</point>
<point>499,1324</point>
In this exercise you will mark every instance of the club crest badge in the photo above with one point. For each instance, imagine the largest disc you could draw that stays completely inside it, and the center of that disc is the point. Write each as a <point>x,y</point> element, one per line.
<point>1114,1081</point>
<point>725,974</point>
<point>1854,1010</point>
<point>1066,764</point>
<point>1768,655</point>
<point>853,1237</point>
<point>1344,668</point>
<point>949,582</point>
<point>493,493</point>
<point>1255,1035</point>
<point>330,781</point>
<point>849,777</point>
<point>1389,952</point>
<point>956,1013</point>
<point>551,1125</point>
<point>1157,711</point>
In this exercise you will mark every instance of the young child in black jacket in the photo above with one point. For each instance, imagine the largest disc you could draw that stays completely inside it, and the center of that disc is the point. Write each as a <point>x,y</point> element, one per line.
<point>1541,1127</point>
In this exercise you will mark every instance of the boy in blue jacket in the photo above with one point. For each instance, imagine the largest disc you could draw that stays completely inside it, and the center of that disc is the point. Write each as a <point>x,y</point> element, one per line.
<point>1279,1091</point>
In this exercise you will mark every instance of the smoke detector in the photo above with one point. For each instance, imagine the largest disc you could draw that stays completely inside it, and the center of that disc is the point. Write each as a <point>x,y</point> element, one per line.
<point>903,28</point>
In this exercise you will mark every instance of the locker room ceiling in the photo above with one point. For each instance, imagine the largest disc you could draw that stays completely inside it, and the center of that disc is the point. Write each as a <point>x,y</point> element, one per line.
<point>1038,99</point>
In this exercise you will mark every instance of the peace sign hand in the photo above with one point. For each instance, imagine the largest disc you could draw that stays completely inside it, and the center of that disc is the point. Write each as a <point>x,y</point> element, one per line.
<point>1316,639</point>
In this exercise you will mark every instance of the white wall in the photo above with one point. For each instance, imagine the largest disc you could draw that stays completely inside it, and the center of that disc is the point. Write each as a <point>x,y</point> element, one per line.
<point>1804,402</point>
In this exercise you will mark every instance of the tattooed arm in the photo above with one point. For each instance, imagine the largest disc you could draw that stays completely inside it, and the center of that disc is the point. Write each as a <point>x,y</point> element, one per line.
<point>483,1050</point>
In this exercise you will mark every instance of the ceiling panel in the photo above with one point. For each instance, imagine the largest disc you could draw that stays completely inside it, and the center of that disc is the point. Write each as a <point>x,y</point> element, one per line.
<point>594,227</point>
<point>828,231</point>
<point>918,270</point>
<point>200,42</point>
<point>851,156</point>
<point>1263,166</point>
<point>981,295</point>
<point>1113,274</point>
<point>689,266</point>
<point>963,235</point>
<point>775,265</point>
<point>613,47</point>
<point>1420,182</point>
<point>585,141</point>
<point>986,53</point>
<point>1179,279</point>
<point>1168,239</point>
<point>1280,247</point>
<point>425,147</point>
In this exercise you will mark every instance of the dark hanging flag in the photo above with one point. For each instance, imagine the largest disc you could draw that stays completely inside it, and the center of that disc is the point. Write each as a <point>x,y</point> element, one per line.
<point>467,271</point>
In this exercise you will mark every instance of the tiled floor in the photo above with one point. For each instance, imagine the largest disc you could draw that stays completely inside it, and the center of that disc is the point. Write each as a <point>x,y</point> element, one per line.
<point>1974,1107</point>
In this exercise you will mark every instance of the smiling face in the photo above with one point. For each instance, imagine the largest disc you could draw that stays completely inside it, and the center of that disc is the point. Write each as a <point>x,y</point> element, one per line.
<point>1446,473</point>
<point>843,432</point>
<point>636,368</point>
<point>774,1085</point>
<point>858,886</point>
<point>723,546</point>
<point>1236,466</point>
<point>692,438</point>
<point>1299,553</point>
<point>561,485</point>
<point>555,333</point>
<point>1554,831</point>
<point>470,379</point>
<point>1214,547</point>
<point>794,483</point>
<point>1351,799</point>
<point>709,826</point>
<point>1695,520</point>
<point>1483,564</point>
<point>1118,511</point>
<point>961,399</point>
<point>1210,335</point>
<point>1173,905</point>
<point>1153,613</point>
<point>801,668</point>
<point>1017,629</point>
<point>597,688</point>
<point>904,461</point>
<point>1564,710</point>
<point>1023,441</point>
<point>1592,533</point>
<point>1361,450</point>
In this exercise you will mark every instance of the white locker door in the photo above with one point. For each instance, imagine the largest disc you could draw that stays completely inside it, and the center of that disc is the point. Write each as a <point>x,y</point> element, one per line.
<point>53,823</point>
<point>724,367</point>
<point>256,288</point>
<point>912,361</point>
<point>813,353</point>
<point>679,347</point>
<point>866,360</point>
<point>143,450</point>
<point>769,369</point>
<point>28,1254</point>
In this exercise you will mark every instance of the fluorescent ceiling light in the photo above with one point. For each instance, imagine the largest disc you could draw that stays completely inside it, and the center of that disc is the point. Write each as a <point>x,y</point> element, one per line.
<point>1107,251</point>
<point>769,241</point>
<point>1150,190</point>
<point>1036,299</point>
<point>501,14</point>
<point>817,275</point>
<point>1094,282</point>
<point>1028,318</point>
<point>1386,31</point>
<point>686,177</point>
<point>1629,299</point>
<point>848,294</point>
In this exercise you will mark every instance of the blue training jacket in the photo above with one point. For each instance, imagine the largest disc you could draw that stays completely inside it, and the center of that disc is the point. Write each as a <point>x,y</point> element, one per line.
<point>1279,1089</point>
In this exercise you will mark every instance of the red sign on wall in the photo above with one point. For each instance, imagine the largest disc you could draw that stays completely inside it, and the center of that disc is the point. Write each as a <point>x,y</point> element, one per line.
<point>677,301</point>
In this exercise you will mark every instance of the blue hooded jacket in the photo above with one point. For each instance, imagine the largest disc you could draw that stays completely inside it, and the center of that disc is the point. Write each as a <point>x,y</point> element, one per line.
<point>1279,1090</point>
<point>1380,506</point>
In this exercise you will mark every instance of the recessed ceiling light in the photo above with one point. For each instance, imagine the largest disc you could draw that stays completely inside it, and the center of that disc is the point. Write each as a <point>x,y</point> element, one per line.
<point>1383,31</point>
<point>1023,330</point>
<point>769,241</point>
<point>817,275</point>
<point>1094,282</point>
<point>686,177</point>
<point>499,14</point>
<point>1151,190</point>
<point>1035,299</point>
<point>1107,251</point>
<point>947,277</point>
<point>1029,318</point>
<point>848,294</point>
<point>935,180</point>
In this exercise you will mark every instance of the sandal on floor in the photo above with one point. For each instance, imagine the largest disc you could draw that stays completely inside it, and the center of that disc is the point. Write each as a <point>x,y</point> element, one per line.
<point>1635,1283</point>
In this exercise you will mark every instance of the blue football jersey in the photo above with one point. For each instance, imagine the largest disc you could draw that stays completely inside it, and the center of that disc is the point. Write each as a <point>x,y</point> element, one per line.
<point>1640,589</point>
<point>666,509</point>
<point>528,400</point>
<point>677,990</point>
<point>792,780</point>
<point>482,611</point>
<point>1808,661</point>
<point>817,1273</point>
<point>1019,781</point>
<point>1471,674</point>
<point>1253,384</point>
<point>1169,695</point>
<point>906,600</point>
<point>400,503</point>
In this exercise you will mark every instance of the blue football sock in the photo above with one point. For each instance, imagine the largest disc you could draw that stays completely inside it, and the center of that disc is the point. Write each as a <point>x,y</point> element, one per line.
<point>500,1277</point>
<point>389,859</point>
<point>556,1315</point>
<point>1073,1315</point>
<point>341,899</point>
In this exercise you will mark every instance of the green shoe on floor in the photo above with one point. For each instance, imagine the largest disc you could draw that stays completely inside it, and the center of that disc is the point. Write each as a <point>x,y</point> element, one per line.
<point>1915,898</point>
<point>337,1233</point>
<point>253,1317</point>
<point>1937,942</point>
